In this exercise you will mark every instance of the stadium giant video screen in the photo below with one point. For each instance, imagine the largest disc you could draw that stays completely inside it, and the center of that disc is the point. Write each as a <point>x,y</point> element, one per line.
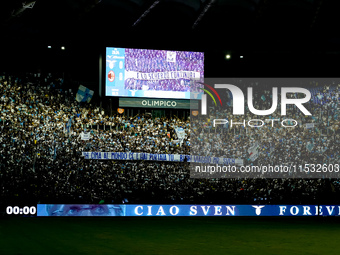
<point>153,73</point>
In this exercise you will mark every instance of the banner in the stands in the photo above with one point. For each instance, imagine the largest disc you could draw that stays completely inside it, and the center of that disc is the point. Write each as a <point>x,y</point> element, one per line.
<point>160,157</point>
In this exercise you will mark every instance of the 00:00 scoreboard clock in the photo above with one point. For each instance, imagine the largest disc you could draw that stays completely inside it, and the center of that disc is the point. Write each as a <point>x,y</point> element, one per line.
<point>32,210</point>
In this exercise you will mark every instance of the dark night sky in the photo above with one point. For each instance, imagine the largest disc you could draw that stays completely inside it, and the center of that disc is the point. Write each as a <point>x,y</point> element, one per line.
<point>276,38</point>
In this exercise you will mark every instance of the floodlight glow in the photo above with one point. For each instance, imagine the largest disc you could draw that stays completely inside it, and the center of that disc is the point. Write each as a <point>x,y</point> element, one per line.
<point>63,47</point>
<point>227,56</point>
<point>49,47</point>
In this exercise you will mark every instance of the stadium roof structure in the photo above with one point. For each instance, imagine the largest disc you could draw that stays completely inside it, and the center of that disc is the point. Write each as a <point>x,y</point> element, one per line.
<point>267,29</point>
<point>206,22</point>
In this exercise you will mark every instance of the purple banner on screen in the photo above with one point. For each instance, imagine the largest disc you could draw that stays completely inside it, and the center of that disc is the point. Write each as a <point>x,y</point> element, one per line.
<point>153,73</point>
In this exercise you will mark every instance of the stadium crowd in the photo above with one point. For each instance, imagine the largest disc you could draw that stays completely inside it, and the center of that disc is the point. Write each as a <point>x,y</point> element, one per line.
<point>306,139</point>
<point>41,152</point>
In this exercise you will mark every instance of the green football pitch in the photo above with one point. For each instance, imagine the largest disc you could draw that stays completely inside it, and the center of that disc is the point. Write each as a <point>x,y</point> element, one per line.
<point>171,235</point>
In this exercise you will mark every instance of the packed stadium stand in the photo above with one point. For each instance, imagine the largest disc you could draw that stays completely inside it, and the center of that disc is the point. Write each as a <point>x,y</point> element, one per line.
<point>41,151</point>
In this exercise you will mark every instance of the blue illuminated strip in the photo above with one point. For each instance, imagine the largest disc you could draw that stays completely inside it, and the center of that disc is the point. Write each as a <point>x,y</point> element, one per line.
<point>186,210</point>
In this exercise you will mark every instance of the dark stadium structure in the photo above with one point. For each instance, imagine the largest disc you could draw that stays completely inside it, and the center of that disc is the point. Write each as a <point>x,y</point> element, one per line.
<point>275,37</point>
<point>50,48</point>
